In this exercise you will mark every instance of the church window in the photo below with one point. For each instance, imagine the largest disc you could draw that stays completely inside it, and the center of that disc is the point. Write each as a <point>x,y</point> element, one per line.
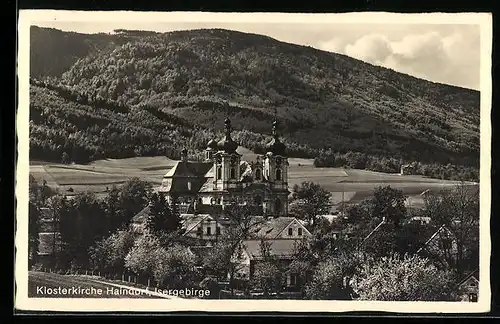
<point>290,231</point>
<point>278,174</point>
<point>233,173</point>
<point>219,173</point>
<point>209,231</point>
<point>277,205</point>
<point>299,231</point>
<point>199,231</point>
<point>257,174</point>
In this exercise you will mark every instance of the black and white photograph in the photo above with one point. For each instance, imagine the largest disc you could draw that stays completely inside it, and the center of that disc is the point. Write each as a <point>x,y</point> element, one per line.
<point>215,161</point>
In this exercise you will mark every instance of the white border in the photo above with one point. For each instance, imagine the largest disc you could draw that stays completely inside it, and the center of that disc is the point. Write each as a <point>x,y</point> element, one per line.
<point>22,302</point>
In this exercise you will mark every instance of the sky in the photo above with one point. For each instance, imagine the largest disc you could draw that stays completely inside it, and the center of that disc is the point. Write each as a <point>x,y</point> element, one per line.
<point>444,53</point>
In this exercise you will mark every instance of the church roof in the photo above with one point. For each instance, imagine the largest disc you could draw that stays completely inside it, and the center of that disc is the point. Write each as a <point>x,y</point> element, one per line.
<point>188,169</point>
<point>185,177</point>
<point>275,146</point>
<point>227,144</point>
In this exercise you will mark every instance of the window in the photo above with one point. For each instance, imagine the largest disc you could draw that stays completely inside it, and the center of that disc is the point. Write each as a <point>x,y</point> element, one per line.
<point>212,201</point>
<point>278,174</point>
<point>293,279</point>
<point>257,200</point>
<point>199,231</point>
<point>473,297</point>
<point>299,231</point>
<point>218,230</point>
<point>200,201</point>
<point>189,185</point>
<point>219,173</point>
<point>277,205</point>
<point>209,231</point>
<point>219,201</point>
<point>257,174</point>
<point>290,231</point>
<point>233,173</point>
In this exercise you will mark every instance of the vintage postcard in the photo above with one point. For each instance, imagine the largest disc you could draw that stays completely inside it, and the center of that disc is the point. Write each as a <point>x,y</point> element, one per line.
<point>271,162</point>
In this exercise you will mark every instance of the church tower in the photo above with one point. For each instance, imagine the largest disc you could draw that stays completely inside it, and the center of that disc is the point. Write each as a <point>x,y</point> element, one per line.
<point>226,162</point>
<point>275,164</point>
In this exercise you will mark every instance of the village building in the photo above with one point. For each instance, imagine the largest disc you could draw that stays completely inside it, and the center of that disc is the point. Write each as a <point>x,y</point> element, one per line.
<point>469,286</point>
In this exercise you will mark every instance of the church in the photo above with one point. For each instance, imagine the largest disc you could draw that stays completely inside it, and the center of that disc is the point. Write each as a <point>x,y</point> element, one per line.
<point>223,178</point>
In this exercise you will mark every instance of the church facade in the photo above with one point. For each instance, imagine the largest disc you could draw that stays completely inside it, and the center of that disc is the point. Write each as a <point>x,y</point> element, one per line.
<point>223,178</point>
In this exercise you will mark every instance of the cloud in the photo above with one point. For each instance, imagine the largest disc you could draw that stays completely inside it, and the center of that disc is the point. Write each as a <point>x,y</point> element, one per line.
<point>452,58</point>
<point>373,48</point>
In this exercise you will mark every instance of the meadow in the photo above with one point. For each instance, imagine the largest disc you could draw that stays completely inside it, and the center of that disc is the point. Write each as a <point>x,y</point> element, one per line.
<point>348,185</point>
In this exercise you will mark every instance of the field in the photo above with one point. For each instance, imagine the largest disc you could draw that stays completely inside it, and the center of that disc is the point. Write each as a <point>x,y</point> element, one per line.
<point>348,185</point>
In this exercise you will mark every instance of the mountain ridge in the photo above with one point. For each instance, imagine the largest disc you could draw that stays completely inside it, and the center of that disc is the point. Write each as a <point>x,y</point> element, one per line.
<point>325,100</point>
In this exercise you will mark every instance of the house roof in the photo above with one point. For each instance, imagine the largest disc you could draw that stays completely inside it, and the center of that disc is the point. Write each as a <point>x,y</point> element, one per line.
<point>141,216</point>
<point>441,229</point>
<point>474,274</point>
<point>270,228</point>
<point>283,248</point>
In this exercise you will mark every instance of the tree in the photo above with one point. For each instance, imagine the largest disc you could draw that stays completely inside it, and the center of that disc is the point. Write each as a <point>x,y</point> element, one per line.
<point>308,201</point>
<point>331,277</point>
<point>108,254</point>
<point>134,197</point>
<point>164,221</point>
<point>407,278</point>
<point>389,204</point>
<point>34,218</point>
<point>268,274</point>
<point>158,220</point>
<point>113,209</point>
<point>144,255</point>
<point>176,268</point>
<point>65,158</point>
<point>458,210</point>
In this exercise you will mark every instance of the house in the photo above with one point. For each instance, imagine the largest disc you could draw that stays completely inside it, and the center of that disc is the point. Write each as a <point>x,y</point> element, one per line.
<point>208,227</point>
<point>441,247</point>
<point>281,251</point>
<point>470,286</point>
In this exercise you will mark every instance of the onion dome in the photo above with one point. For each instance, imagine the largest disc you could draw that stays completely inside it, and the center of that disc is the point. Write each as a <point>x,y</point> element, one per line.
<point>227,144</point>
<point>212,145</point>
<point>275,146</point>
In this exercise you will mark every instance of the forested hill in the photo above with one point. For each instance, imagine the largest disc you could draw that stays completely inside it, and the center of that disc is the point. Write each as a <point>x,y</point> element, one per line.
<point>324,100</point>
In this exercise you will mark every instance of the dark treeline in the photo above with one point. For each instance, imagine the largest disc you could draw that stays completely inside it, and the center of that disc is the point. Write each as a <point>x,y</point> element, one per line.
<point>357,160</point>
